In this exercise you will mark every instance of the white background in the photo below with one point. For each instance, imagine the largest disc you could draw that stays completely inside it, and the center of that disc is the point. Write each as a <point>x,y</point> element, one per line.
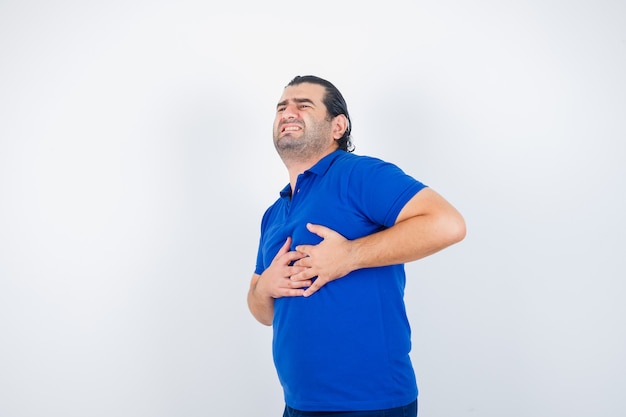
<point>136,162</point>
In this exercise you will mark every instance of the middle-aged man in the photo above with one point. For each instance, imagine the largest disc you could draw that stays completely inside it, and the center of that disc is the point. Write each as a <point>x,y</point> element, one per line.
<point>330,274</point>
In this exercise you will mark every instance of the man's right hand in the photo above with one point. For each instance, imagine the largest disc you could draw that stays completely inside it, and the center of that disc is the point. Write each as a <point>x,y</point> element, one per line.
<point>275,282</point>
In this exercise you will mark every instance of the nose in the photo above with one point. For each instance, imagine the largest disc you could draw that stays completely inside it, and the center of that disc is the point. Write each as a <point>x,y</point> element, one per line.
<point>289,112</point>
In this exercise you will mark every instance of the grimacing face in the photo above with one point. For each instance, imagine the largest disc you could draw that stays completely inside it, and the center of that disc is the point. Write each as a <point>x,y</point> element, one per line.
<point>302,128</point>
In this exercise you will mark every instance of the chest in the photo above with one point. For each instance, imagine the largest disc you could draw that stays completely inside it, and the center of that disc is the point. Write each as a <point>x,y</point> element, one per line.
<point>313,201</point>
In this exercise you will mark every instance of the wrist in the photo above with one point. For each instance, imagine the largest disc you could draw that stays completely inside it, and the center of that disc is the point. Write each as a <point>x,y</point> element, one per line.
<point>355,255</point>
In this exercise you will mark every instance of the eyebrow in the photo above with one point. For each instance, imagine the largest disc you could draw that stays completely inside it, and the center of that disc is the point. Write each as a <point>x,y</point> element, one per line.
<point>297,100</point>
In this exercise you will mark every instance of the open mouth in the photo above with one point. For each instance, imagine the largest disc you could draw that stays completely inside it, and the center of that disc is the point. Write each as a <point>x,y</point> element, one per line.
<point>290,128</point>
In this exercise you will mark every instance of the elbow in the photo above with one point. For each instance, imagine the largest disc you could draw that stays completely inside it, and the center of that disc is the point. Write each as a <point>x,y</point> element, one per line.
<point>457,229</point>
<point>262,318</point>
<point>263,315</point>
<point>267,323</point>
<point>451,229</point>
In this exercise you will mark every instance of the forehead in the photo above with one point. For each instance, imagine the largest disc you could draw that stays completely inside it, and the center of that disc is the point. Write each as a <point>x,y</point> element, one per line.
<point>313,92</point>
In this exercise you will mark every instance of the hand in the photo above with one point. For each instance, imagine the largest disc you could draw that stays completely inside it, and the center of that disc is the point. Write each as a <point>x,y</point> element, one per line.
<point>328,260</point>
<point>275,281</point>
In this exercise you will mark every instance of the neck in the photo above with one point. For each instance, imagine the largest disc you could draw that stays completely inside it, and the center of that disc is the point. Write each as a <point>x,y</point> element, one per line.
<point>295,167</point>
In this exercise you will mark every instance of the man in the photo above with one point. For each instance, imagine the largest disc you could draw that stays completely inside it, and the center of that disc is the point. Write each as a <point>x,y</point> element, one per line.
<point>329,275</point>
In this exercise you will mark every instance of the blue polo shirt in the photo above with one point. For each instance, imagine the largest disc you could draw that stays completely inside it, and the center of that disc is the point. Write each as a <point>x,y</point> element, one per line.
<point>347,346</point>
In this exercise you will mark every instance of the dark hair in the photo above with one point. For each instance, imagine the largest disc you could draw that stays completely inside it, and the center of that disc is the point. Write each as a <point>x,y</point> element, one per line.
<point>335,105</point>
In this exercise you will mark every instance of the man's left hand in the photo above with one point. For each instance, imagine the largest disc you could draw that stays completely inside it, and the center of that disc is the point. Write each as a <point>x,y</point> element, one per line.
<point>328,260</point>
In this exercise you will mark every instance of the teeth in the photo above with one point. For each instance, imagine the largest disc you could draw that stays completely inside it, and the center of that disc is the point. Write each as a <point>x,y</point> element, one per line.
<point>292,128</point>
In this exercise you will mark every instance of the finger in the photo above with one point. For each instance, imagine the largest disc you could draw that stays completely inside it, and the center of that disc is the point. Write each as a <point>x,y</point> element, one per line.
<point>315,286</point>
<point>304,275</point>
<point>291,292</point>
<point>292,256</point>
<point>284,249</point>
<point>300,284</point>
<point>304,262</point>
<point>318,229</point>
<point>294,270</point>
<point>304,249</point>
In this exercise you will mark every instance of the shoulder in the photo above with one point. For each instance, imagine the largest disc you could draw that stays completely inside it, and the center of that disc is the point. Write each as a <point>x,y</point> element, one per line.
<point>365,166</point>
<point>359,162</point>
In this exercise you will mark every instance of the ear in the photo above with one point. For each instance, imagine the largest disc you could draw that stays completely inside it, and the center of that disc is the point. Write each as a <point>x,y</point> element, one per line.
<point>340,124</point>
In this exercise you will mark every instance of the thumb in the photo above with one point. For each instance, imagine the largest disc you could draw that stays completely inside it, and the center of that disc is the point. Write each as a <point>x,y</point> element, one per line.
<point>285,248</point>
<point>318,229</point>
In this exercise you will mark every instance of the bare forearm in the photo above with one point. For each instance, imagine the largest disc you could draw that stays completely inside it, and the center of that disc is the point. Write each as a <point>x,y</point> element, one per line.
<point>425,225</point>
<point>408,240</point>
<point>261,307</point>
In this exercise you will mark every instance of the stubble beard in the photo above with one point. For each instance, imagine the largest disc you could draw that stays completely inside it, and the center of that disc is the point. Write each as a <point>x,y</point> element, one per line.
<point>304,148</point>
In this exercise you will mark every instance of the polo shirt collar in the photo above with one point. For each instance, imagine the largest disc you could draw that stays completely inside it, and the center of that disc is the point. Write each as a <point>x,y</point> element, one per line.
<point>319,168</point>
<point>323,164</point>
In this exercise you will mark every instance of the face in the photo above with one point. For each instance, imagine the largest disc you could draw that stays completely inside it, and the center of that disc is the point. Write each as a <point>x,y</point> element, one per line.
<point>302,128</point>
